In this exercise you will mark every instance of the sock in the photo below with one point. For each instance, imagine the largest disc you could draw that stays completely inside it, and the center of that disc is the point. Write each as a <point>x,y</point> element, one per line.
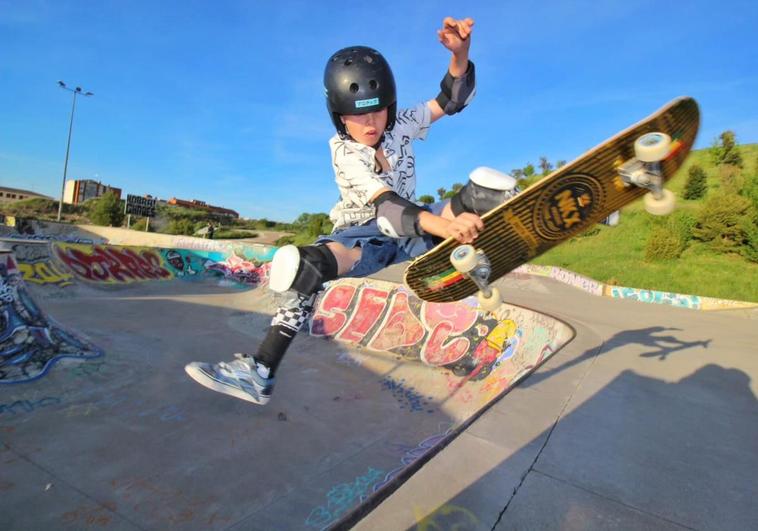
<point>287,321</point>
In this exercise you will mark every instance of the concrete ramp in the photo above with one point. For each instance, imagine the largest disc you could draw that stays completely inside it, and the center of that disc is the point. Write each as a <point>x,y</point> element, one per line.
<point>381,383</point>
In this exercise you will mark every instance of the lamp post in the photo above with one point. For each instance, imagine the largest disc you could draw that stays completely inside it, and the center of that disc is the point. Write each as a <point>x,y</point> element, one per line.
<point>76,92</point>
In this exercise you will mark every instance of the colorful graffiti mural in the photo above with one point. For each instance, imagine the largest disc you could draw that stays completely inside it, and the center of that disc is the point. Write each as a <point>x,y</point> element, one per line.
<point>112,265</point>
<point>385,317</point>
<point>30,342</point>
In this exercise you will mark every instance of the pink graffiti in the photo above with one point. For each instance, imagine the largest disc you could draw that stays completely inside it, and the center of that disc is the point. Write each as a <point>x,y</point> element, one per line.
<point>241,270</point>
<point>112,264</point>
<point>400,328</point>
<point>385,319</point>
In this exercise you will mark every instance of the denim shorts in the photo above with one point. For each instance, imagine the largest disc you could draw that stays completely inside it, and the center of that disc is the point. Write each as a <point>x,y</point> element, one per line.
<point>378,250</point>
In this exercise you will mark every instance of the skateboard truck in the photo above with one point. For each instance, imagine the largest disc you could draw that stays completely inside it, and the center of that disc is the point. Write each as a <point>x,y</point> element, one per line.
<point>475,265</point>
<point>644,171</point>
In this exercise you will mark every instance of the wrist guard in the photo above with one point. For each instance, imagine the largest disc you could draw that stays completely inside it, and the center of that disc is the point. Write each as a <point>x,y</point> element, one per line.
<point>397,217</point>
<point>457,92</point>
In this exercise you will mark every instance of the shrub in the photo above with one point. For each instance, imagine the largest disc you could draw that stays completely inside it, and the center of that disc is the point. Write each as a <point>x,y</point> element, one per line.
<point>696,184</point>
<point>664,243</point>
<point>426,199</point>
<point>682,222</point>
<point>106,210</point>
<point>732,180</point>
<point>181,226</point>
<point>725,222</point>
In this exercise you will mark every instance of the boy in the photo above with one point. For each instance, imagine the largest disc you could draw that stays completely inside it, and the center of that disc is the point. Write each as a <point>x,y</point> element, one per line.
<point>376,221</point>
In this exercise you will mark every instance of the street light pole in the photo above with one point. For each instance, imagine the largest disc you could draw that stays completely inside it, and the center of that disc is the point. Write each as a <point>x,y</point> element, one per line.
<point>76,91</point>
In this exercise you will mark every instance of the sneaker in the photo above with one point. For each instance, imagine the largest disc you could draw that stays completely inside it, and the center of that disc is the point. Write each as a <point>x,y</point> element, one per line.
<point>238,378</point>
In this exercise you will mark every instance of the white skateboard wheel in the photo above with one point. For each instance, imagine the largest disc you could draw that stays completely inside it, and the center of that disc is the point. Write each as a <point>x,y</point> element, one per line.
<point>491,303</point>
<point>660,207</point>
<point>652,147</point>
<point>464,258</point>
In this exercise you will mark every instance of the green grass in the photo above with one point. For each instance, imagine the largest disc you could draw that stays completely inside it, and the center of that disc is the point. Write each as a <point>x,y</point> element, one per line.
<point>616,255</point>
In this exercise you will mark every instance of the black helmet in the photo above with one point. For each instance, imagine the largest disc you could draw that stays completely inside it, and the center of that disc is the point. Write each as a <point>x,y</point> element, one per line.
<point>358,80</point>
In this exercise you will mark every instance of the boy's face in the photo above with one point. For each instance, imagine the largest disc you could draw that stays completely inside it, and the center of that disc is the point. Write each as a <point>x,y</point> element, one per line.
<point>366,128</point>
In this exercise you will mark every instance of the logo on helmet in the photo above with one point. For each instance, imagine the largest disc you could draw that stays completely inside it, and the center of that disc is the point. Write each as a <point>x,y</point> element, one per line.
<point>366,103</point>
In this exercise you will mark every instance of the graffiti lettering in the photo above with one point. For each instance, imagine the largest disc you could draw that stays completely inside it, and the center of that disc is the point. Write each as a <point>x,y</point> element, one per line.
<point>342,498</point>
<point>454,335</point>
<point>44,272</point>
<point>659,297</point>
<point>110,264</point>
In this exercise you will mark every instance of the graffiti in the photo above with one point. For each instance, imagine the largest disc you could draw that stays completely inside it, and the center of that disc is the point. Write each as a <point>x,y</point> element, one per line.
<point>50,238</point>
<point>576,280</point>
<point>22,407</point>
<point>411,454</point>
<point>406,396</point>
<point>44,272</point>
<point>658,297</point>
<point>343,497</point>
<point>446,517</point>
<point>385,317</point>
<point>241,270</point>
<point>184,264</point>
<point>30,342</point>
<point>112,265</point>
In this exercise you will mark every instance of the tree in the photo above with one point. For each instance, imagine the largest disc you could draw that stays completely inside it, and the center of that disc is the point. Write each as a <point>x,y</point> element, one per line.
<point>517,173</point>
<point>724,150</point>
<point>441,193</point>
<point>106,210</point>
<point>696,184</point>
<point>545,165</point>
<point>448,194</point>
<point>426,199</point>
<point>457,186</point>
<point>560,164</point>
<point>529,170</point>
<point>725,222</point>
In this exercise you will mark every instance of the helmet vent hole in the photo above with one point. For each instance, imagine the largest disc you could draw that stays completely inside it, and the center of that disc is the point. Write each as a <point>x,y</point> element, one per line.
<point>354,87</point>
<point>368,59</point>
<point>373,84</point>
<point>348,61</point>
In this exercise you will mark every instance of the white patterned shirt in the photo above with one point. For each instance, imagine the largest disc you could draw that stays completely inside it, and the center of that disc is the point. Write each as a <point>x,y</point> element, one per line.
<point>354,167</point>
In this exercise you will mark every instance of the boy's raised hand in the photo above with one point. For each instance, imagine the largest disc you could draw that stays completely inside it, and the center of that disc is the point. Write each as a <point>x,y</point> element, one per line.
<point>455,34</point>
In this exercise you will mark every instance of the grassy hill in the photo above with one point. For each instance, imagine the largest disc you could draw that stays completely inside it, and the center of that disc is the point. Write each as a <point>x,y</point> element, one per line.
<point>616,255</point>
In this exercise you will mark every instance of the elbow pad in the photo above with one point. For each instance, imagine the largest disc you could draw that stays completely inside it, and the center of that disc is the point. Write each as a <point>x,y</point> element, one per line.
<point>457,92</point>
<point>397,217</point>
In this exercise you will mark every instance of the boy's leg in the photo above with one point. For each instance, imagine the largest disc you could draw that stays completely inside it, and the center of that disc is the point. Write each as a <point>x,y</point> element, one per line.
<point>251,378</point>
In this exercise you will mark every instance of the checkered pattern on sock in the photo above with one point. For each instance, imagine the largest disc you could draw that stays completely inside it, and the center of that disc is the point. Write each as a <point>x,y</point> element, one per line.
<point>294,315</point>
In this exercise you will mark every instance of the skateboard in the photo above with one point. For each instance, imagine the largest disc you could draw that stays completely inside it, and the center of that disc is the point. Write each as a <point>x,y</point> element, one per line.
<point>635,162</point>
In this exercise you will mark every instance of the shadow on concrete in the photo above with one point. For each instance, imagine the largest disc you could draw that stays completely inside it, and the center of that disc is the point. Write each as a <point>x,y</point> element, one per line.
<point>663,345</point>
<point>642,453</point>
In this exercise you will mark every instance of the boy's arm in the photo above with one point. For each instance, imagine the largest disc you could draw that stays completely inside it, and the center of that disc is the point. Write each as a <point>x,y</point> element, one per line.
<point>455,35</point>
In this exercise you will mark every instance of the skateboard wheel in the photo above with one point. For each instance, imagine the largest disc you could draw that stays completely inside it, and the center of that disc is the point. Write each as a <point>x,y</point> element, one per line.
<point>652,147</point>
<point>490,303</point>
<point>464,258</point>
<point>660,207</point>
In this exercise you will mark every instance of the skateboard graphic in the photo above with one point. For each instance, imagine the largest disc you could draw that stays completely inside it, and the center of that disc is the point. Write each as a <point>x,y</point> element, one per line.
<point>637,161</point>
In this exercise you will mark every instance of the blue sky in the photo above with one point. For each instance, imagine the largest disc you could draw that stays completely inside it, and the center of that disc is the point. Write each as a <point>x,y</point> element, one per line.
<point>223,101</point>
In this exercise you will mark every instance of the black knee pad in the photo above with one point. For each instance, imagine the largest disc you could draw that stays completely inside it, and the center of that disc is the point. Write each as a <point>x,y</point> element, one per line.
<point>317,265</point>
<point>478,198</point>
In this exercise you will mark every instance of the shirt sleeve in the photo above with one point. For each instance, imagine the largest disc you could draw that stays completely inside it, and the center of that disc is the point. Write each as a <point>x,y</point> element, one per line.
<point>415,121</point>
<point>355,175</point>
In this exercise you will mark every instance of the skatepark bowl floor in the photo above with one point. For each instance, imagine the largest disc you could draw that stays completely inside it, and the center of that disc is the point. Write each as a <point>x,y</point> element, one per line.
<point>635,417</point>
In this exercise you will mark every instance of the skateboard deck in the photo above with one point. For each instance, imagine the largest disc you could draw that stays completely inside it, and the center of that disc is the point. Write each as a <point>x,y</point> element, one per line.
<point>565,203</point>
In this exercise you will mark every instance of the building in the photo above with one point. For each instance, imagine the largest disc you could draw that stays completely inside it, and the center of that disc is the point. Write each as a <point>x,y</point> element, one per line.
<point>79,191</point>
<point>10,195</point>
<point>202,205</point>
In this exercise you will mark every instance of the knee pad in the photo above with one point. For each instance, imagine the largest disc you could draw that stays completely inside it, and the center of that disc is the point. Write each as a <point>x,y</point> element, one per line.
<point>302,269</point>
<point>486,189</point>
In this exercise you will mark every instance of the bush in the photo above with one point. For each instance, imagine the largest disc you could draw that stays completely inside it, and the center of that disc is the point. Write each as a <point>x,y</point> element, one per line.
<point>426,199</point>
<point>725,222</point>
<point>233,235</point>
<point>750,250</point>
<point>664,243</point>
<point>182,226</point>
<point>732,180</point>
<point>106,210</point>
<point>696,184</point>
